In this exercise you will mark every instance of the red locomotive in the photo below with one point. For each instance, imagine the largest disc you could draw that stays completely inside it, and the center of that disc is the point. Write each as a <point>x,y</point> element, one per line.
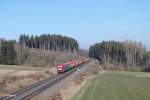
<point>62,68</point>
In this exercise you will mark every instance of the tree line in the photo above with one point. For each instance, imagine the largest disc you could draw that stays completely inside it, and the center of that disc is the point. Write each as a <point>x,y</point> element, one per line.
<point>7,52</point>
<point>129,53</point>
<point>13,52</point>
<point>50,42</point>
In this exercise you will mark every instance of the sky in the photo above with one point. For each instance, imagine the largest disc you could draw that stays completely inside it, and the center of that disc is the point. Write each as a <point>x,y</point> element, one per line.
<point>88,21</point>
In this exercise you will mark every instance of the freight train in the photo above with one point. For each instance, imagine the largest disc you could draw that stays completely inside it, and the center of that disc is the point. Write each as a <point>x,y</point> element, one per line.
<point>62,68</point>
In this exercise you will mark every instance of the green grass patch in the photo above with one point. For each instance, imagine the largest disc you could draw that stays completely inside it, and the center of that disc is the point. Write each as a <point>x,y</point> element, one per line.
<point>116,85</point>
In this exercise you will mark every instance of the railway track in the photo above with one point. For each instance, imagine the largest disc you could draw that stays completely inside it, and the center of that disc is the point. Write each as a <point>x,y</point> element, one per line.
<point>35,89</point>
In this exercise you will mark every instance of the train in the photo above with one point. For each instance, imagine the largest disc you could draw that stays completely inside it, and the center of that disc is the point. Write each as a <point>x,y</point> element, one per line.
<point>64,67</point>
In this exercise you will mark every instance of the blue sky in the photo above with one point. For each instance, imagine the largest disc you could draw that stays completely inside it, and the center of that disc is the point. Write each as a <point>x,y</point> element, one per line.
<point>88,21</point>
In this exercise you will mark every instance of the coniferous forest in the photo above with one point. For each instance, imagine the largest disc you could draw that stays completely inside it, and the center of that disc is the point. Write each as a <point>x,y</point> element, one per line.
<point>22,51</point>
<point>7,52</point>
<point>38,50</point>
<point>50,42</point>
<point>128,53</point>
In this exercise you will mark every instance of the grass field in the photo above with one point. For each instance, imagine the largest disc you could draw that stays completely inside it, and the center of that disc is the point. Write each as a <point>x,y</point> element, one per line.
<point>15,67</point>
<point>116,85</point>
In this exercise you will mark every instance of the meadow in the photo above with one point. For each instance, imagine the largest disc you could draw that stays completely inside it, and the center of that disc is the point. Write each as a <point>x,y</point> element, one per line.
<point>116,85</point>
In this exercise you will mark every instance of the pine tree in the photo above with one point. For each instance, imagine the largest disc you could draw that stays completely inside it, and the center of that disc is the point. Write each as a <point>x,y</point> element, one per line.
<point>50,42</point>
<point>129,53</point>
<point>8,54</point>
<point>3,53</point>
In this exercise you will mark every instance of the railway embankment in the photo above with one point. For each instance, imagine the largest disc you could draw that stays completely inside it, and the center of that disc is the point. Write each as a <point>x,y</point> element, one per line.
<point>68,87</point>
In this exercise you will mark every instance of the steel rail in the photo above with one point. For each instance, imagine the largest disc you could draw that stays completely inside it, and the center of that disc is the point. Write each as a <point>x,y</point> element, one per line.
<point>35,89</point>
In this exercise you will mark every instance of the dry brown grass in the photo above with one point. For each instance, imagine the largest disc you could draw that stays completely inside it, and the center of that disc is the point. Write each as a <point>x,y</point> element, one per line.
<point>55,96</point>
<point>93,69</point>
<point>3,86</point>
<point>19,79</point>
<point>15,82</point>
<point>78,79</point>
